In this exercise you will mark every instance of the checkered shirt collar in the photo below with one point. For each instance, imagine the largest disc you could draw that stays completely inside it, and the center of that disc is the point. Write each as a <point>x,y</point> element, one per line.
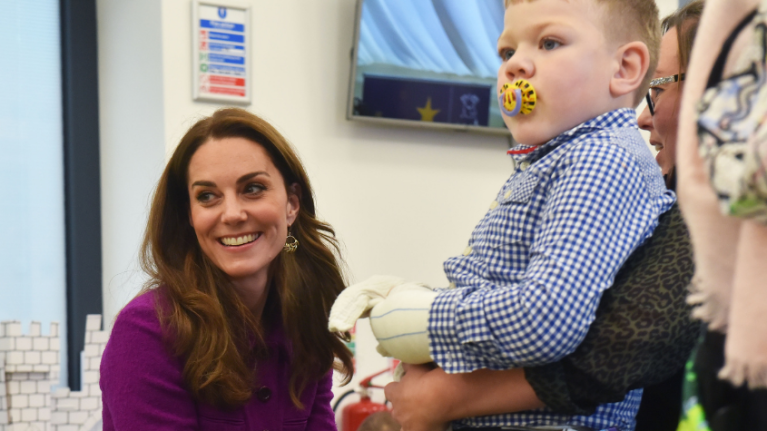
<point>619,118</point>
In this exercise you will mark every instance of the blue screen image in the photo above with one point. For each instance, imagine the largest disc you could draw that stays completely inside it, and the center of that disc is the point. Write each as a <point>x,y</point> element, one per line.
<point>429,60</point>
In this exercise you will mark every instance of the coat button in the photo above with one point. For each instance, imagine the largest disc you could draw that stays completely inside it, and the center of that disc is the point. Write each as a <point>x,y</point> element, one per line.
<point>263,394</point>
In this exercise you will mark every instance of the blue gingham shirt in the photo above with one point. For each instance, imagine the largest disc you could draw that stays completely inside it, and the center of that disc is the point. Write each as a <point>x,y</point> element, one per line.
<point>528,285</point>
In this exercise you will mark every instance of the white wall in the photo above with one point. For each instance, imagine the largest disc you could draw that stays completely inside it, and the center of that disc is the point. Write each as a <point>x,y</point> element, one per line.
<point>132,136</point>
<point>401,200</point>
<point>667,6</point>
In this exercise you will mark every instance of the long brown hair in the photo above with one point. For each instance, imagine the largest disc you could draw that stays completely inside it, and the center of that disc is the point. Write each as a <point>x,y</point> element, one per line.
<point>205,321</point>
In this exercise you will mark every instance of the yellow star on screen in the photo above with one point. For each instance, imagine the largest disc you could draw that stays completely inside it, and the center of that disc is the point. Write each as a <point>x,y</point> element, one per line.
<point>427,114</point>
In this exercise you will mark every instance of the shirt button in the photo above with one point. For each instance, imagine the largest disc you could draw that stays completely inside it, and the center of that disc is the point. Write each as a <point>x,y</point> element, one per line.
<point>507,194</point>
<point>263,394</point>
<point>451,286</point>
<point>467,251</point>
<point>494,205</point>
<point>524,165</point>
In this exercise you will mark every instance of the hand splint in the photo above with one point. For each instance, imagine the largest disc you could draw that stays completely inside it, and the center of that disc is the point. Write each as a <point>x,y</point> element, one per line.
<point>399,315</point>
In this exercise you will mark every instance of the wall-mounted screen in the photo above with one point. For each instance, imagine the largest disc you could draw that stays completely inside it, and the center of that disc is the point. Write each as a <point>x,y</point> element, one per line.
<point>429,63</point>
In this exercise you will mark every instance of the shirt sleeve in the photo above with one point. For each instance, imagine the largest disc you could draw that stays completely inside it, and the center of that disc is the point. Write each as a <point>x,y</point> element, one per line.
<point>141,382</point>
<point>322,416</point>
<point>597,211</point>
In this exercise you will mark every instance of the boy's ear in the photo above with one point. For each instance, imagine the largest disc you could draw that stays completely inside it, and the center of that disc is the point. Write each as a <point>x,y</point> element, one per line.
<point>631,63</point>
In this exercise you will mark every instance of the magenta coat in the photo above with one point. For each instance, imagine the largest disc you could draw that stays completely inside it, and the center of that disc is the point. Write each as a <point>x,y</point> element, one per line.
<point>143,388</point>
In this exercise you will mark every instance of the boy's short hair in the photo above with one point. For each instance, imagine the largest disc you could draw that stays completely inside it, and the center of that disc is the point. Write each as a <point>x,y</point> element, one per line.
<point>627,21</point>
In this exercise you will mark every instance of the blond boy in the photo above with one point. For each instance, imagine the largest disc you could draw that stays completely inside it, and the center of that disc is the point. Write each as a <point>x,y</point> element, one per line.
<point>584,194</point>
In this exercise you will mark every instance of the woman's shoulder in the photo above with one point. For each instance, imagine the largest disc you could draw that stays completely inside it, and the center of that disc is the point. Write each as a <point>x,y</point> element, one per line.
<point>141,308</point>
<point>137,324</point>
<point>141,380</point>
<point>139,316</point>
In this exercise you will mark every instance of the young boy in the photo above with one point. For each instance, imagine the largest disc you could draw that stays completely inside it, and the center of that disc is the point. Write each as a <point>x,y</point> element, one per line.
<point>585,193</point>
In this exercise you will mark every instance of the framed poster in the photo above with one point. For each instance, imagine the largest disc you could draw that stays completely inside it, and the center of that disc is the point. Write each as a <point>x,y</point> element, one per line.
<point>221,51</point>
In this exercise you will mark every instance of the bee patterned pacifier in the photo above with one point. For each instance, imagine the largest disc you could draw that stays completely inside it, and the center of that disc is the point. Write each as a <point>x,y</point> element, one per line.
<point>517,98</point>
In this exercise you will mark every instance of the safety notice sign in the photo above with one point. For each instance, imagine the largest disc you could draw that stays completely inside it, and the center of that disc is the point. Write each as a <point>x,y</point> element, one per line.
<point>220,51</point>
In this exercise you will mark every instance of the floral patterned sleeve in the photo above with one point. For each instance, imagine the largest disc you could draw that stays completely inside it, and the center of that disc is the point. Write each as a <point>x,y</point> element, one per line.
<point>732,123</point>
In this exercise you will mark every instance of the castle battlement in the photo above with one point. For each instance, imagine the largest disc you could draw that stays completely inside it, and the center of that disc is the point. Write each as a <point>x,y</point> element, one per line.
<point>29,368</point>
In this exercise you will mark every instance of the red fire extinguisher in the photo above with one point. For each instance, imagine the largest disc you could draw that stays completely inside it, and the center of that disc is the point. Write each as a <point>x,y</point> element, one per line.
<point>353,414</point>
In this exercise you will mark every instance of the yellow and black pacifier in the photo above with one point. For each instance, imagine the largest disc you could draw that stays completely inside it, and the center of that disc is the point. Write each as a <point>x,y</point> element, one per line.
<point>517,98</point>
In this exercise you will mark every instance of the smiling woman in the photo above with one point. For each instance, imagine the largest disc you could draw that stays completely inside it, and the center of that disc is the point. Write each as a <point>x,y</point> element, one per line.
<point>661,116</point>
<point>230,328</point>
<point>240,210</point>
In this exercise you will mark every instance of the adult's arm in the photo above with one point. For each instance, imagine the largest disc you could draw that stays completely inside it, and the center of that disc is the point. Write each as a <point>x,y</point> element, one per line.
<point>746,335</point>
<point>141,383</point>
<point>729,252</point>
<point>714,236</point>
<point>427,398</point>
<point>642,334</point>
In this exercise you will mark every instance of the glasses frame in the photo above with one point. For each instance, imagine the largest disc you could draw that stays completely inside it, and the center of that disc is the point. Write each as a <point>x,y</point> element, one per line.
<point>660,81</point>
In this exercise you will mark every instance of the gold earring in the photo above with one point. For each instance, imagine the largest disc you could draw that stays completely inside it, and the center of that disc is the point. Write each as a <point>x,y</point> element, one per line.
<point>291,243</point>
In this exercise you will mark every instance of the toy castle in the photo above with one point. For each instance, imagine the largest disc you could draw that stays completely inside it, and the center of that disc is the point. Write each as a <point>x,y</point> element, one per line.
<point>29,368</point>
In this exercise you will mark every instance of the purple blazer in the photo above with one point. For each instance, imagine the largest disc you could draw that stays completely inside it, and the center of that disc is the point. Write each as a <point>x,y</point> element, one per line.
<point>143,387</point>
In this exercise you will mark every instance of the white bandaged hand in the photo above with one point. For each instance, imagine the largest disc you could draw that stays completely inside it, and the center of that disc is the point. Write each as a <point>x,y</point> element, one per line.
<point>356,301</point>
<point>401,322</point>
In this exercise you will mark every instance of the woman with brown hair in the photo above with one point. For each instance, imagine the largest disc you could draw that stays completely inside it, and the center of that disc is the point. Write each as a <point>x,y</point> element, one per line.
<point>661,116</point>
<point>229,333</point>
<point>661,408</point>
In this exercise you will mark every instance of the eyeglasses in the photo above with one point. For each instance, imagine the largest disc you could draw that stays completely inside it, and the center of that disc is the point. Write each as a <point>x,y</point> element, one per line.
<point>656,82</point>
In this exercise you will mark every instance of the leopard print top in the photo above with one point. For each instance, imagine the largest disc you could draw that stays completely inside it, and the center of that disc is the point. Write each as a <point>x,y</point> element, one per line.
<point>642,333</point>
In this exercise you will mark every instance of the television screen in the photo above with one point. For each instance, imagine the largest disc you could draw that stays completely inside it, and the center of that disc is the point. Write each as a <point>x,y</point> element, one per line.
<point>427,63</point>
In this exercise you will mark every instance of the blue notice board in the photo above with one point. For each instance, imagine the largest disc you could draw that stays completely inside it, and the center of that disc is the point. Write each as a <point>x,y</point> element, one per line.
<point>221,51</point>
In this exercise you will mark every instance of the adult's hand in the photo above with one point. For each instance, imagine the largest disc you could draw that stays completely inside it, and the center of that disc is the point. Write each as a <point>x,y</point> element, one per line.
<point>421,400</point>
<point>427,398</point>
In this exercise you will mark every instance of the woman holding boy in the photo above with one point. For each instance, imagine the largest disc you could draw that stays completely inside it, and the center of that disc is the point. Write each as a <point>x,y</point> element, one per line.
<point>540,294</point>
